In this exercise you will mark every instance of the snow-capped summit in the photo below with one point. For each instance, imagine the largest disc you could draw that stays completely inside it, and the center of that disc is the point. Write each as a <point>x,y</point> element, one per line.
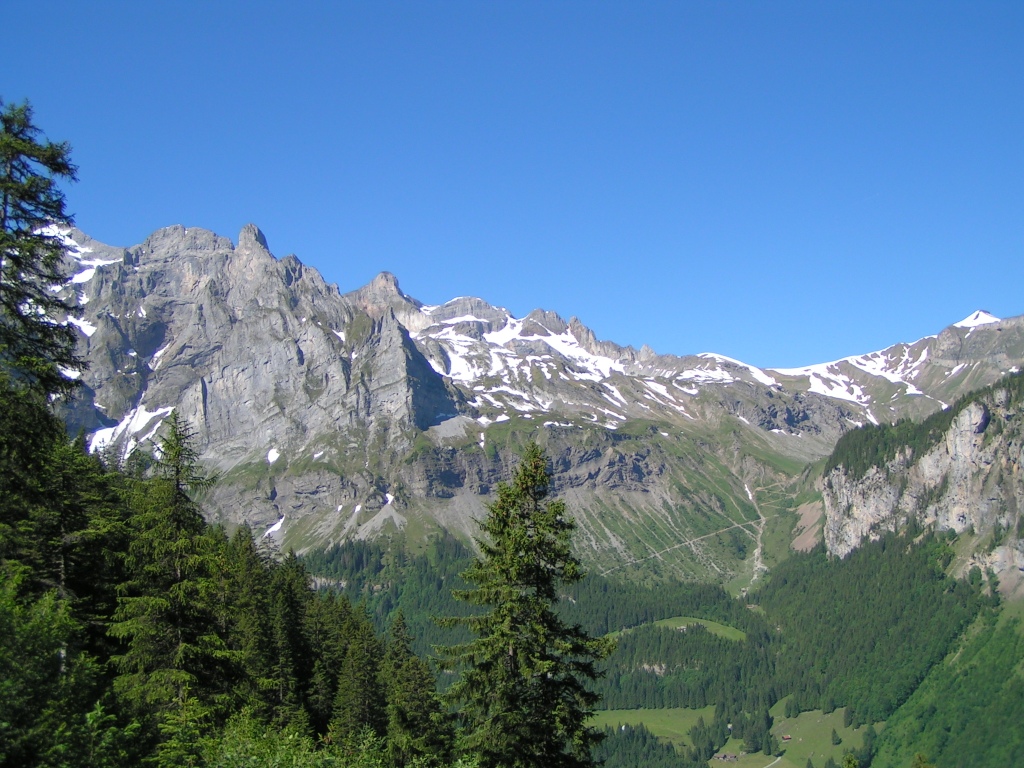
<point>976,318</point>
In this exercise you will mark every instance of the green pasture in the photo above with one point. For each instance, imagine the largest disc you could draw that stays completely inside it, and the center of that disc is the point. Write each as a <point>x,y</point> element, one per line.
<point>722,630</point>
<point>811,737</point>
<point>810,733</point>
<point>672,725</point>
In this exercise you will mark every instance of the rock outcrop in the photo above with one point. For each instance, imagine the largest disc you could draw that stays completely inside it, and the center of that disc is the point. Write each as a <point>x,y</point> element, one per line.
<point>969,480</point>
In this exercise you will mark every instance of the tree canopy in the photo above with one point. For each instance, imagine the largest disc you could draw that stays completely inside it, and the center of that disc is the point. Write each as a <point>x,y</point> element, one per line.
<point>35,340</point>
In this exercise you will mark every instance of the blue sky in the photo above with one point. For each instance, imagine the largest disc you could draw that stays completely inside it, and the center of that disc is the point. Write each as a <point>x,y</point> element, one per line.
<point>784,183</point>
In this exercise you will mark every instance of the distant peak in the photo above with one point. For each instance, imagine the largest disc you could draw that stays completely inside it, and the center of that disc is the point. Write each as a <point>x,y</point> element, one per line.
<point>979,317</point>
<point>385,282</point>
<point>251,236</point>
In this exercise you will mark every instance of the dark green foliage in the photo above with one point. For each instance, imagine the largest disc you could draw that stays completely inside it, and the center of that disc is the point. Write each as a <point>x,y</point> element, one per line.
<point>417,726</point>
<point>328,621</point>
<point>888,606</point>
<point>523,678</point>
<point>656,667</point>
<point>601,605</point>
<point>359,702</point>
<point>388,580</point>
<point>968,711</point>
<point>290,654</point>
<point>629,746</point>
<point>165,616</point>
<point>34,345</point>
<point>874,446</point>
<point>33,636</point>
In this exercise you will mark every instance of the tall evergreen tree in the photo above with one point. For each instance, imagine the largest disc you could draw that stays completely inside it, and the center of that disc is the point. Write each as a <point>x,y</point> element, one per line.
<point>328,629</point>
<point>523,683</point>
<point>243,615</point>
<point>291,657</point>
<point>34,343</point>
<point>28,433</point>
<point>359,701</point>
<point>166,613</point>
<point>416,727</point>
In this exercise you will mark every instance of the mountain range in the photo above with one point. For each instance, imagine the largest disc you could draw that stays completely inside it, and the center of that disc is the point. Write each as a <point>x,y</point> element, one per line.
<point>329,415</point>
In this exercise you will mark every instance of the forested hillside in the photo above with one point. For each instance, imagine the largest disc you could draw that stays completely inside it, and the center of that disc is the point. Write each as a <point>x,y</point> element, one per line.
<point>131,631</point>
<point>874,445</point>
<point>858,634</point>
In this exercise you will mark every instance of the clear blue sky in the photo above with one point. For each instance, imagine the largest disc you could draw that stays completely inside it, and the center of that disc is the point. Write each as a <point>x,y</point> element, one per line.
<point>780,182</point>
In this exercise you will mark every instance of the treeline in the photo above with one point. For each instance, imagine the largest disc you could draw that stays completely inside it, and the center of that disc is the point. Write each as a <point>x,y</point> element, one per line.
<point>386,578</point>
<point>629,746</point>
<point>658,667</point>
<point>602,605</point>
<point>875,445</point>
<point>132,632</point>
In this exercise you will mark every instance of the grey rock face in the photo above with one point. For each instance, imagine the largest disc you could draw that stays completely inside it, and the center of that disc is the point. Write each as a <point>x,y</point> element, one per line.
<point>970,480</point>
<point>366,413</point>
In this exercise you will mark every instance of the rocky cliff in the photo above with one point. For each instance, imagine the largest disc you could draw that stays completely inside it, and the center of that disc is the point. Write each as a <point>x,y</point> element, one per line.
<point>965,476</point>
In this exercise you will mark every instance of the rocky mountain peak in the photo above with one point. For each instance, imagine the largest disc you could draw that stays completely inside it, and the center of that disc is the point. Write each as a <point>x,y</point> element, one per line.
<point>383,294</point>
<point>385,284</point>
<point>251,238</point>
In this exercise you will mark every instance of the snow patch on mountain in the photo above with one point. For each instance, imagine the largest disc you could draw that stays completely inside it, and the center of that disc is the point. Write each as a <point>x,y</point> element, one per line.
<point>899,364</point>
<point>757,373</point>
<point>135,421</point>
<point>837,386</point>
<point>83,325</point>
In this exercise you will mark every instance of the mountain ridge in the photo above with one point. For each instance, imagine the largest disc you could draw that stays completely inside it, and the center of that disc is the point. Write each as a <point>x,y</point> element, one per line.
<point>367,413</point>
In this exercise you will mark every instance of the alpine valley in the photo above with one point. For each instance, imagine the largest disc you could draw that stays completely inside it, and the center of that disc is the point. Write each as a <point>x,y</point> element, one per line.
<point>333,416</point>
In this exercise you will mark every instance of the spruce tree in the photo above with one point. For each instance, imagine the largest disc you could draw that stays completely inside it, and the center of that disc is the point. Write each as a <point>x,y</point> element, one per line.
<point>291,662</point>
<point>328,626</point>
<point>359,700</point>
<point>523,684</point>
<point>165,618</point>
<point>416,724</point>
<point>244,617</point>
<point>34,342</point>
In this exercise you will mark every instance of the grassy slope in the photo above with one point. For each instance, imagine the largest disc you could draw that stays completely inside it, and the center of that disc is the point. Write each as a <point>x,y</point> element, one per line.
<point>722,630</point>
